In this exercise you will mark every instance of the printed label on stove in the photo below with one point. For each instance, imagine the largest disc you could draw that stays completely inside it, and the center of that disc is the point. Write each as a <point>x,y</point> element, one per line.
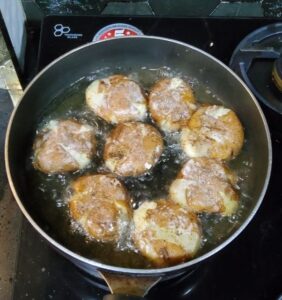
<point>65,31</point>
<point>116,30</point>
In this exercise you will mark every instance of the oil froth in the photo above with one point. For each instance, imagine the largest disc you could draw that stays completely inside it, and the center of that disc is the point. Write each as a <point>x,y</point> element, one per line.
<point>50,192</point>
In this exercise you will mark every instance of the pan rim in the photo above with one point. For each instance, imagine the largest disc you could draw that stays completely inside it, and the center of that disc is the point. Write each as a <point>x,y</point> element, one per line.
<point>133,271</point>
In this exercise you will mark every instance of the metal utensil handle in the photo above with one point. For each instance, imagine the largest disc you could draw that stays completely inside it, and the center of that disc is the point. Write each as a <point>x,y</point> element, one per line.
<point>128,287</point>
<point>121,297</point>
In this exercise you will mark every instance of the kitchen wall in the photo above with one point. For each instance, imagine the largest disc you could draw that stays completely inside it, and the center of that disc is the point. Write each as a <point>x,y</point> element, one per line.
<point>14,17</point>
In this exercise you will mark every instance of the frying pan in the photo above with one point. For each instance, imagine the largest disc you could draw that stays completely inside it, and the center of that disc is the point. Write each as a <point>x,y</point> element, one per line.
<point>130,55</point>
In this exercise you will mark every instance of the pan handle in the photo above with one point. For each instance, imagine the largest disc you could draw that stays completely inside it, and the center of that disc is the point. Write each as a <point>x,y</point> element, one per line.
<point>127,287</point>
<point>121,297</point>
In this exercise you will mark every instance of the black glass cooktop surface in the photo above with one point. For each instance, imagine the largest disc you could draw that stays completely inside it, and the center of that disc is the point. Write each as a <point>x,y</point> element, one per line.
<point>249,268</point>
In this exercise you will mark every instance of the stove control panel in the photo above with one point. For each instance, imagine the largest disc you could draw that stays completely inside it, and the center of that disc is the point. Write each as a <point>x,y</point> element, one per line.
<point>60,34</point>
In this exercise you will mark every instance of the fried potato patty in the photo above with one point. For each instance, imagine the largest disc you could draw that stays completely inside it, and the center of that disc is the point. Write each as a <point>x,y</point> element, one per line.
<point>213,131</point>
<point>64,146</point>
<point>165,232</point>
<point>132,148</point>
<point>117,99</point>
<point>100,205</point>
<point>171,103</point>
<point>205,185</point>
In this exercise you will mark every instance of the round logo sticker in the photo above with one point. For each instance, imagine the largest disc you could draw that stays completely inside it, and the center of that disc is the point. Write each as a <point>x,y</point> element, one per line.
<point>116,30</point>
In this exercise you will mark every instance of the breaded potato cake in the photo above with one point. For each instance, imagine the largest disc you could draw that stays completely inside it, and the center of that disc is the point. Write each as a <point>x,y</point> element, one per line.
<point>133,148</point>
<point>117,99</point>
<point>100,205</point>
<point>171,103</point>
<point>206,185</point>
<point>213,131</point>
<point>64,146</point>
<point>165,232</point>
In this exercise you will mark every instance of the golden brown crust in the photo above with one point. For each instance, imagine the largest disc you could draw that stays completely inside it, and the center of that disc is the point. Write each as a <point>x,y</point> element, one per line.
<point>100,205</point>
<point>166,233</point>
<point>64,146</point>
<point>213,131</point>
<point>132,148</point>
<point>171,103</point>
<point>206,185</point>
<point>117,99</point>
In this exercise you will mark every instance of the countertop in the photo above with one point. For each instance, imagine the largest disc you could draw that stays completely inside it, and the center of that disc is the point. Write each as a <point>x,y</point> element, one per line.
<point>10,215</point>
